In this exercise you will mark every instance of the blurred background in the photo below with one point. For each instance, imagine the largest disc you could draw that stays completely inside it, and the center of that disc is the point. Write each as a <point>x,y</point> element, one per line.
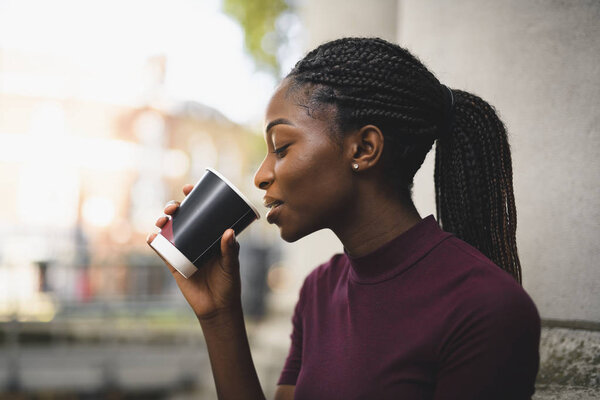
<point>108,108</point>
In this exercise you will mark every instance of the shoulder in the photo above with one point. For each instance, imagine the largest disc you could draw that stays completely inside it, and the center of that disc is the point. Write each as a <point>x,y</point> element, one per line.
<point>483,294</point>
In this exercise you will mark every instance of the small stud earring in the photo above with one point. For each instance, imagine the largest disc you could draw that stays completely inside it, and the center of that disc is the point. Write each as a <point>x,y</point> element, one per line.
<point>355,166</point>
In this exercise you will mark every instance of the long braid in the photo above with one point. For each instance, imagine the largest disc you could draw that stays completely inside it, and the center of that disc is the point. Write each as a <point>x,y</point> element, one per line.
<point>371,81</point>
<point>475,160</point>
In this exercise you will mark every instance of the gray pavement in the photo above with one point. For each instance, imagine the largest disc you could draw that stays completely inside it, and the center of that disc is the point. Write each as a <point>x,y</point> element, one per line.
<point>89,368</point>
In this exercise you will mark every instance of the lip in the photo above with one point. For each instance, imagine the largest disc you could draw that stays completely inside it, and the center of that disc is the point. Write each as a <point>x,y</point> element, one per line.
<point>274,206</point>
<point>268,201</point>
<point>273,213</point>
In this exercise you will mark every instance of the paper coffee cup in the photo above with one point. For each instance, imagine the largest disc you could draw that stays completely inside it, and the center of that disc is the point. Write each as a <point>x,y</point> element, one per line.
<point>194,233</point>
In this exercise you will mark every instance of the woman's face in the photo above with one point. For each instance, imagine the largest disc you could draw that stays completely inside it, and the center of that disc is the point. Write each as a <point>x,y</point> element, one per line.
<point>306,176</point>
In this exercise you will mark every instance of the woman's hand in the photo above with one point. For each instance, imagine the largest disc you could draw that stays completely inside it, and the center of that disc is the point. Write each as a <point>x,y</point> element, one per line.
<point>215,288</point>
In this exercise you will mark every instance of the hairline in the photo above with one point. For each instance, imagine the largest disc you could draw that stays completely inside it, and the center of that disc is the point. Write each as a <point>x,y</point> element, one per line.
<point>334,127</point>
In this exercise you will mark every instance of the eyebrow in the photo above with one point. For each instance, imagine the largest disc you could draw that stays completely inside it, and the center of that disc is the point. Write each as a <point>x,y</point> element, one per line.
<point>277,122</point>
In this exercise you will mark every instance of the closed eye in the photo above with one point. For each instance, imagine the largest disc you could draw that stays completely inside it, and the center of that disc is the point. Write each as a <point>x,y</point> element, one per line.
<point>280,152</point>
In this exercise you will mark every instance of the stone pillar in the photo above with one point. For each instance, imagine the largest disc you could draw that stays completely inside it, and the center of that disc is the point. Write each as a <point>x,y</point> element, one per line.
<point>332,19</point>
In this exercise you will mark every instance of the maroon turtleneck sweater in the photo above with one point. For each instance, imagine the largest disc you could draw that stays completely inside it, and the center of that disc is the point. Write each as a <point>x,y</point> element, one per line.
<point>426,316</point>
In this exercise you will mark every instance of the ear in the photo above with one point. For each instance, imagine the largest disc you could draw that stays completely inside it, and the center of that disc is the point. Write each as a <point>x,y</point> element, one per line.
<point>365,147</point>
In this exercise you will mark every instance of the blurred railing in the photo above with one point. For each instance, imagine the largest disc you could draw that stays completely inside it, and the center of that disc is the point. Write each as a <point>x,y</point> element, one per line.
<point>149,347</point>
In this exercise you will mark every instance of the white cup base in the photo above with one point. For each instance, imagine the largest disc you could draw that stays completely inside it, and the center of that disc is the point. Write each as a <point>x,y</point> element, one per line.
<point>173,256</point>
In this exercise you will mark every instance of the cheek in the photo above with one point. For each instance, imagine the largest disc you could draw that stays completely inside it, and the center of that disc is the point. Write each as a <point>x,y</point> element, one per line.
<point>294,177</point>
<point>312,182</point>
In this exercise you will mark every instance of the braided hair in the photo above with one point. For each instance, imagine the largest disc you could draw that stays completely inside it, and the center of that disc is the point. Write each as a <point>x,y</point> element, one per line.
<point>372,81</point>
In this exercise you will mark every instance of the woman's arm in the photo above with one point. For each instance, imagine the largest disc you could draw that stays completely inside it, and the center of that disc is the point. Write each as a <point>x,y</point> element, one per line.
<point>232,366</point>
<point>214,293</point>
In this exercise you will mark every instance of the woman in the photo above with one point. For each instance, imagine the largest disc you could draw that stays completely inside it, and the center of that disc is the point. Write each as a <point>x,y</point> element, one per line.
<point>408,311</point>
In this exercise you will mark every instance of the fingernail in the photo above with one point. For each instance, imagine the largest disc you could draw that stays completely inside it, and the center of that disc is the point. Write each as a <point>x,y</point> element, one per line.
<point>148,237</point>
<point>232,241</point>
<point>170,203</point>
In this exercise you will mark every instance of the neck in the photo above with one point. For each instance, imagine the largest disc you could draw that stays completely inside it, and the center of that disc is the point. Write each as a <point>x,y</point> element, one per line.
<point>374,219</point>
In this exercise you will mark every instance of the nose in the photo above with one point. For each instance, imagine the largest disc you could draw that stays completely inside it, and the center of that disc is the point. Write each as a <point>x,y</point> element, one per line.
<point>264,175</point>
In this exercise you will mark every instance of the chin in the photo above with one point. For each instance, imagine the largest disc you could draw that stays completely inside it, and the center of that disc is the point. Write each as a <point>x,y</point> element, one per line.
<point>291,236</point>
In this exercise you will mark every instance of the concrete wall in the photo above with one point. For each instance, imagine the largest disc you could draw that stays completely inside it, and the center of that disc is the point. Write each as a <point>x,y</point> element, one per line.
<point>537,62</point>
<point>332,19</point>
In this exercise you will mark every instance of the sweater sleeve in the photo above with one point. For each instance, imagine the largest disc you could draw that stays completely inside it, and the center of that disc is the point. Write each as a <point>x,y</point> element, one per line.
<point>293,363</point>
<point>493,351</point>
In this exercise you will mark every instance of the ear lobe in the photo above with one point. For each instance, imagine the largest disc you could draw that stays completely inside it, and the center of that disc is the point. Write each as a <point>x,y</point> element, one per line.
<point>367,146</point>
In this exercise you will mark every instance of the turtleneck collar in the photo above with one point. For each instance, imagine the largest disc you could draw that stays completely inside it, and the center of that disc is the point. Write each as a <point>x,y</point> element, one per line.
<point>397,255</point>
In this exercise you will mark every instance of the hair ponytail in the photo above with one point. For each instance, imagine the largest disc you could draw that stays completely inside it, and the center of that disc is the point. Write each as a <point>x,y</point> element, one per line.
<point>371,81</point>
<point>473,182</point>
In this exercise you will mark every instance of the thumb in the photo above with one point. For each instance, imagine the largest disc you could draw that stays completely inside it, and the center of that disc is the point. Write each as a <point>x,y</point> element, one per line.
<point>230,249</point>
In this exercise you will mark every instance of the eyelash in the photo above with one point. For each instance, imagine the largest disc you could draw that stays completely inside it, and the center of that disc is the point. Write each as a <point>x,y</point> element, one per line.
<point>278,152</point>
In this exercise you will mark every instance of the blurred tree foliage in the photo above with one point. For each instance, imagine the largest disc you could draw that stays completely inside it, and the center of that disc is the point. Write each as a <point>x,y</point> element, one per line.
<point>257,18</point>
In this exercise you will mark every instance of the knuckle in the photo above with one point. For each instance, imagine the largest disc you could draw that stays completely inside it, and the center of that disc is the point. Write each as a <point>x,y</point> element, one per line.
<point>172,203</point>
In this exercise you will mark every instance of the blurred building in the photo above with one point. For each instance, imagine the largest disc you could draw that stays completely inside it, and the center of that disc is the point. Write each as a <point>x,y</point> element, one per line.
<point>85,173</point>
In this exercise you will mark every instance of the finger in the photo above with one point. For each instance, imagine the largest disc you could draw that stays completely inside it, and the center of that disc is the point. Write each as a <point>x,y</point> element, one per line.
<point>171,207</point>
<point>187,189</point>
<point>150,237</point>
<point>161,221</point>
<point>230,251</point>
